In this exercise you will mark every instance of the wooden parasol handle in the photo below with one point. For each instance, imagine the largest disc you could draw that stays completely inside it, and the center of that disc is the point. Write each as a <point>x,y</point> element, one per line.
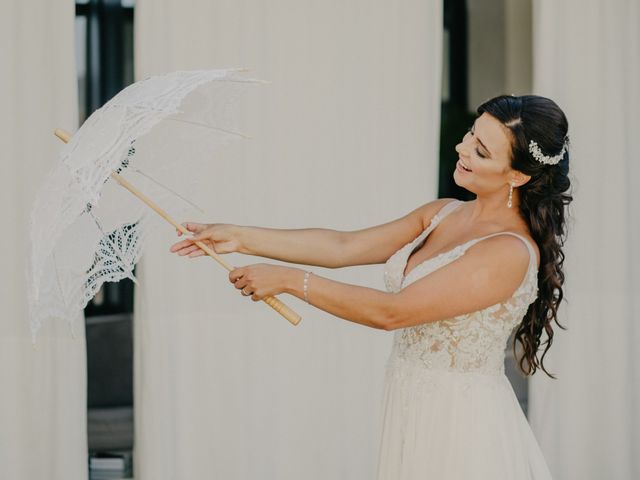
<point>273,302</point>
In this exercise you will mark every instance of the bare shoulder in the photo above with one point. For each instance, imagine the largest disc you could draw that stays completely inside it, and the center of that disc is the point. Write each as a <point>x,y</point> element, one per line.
<point>429,209</point>
<point>504,260</point>
<point>511,243</point>
<point>509,251</point>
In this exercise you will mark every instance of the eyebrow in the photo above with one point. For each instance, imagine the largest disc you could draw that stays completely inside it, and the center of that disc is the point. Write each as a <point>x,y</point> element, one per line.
<point>483,145</point>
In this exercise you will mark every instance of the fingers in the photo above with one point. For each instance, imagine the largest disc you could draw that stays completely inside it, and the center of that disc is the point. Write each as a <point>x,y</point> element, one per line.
<point>189,250</point>
<point>194,227</point>
<point>235,274</point>
<point>242,282</point>
<point>238,278</point>
<point>185,225</point>
<point>185,247</point>
<point>176,247</point>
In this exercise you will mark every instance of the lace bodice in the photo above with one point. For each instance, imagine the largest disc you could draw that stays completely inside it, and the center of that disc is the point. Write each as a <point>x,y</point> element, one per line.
<point>473,342</point>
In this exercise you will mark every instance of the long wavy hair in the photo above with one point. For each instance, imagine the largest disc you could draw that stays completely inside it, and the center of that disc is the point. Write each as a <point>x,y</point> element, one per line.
<point>542,205</point>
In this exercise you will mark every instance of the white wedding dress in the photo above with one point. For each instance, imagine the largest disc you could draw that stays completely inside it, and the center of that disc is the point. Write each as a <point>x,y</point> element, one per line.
<point>449,411</point>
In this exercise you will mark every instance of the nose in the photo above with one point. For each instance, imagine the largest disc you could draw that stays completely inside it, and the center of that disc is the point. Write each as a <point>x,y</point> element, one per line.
<point>461,148</point>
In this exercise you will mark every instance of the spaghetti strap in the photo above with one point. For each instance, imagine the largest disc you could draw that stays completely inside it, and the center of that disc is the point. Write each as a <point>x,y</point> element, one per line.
<point>446,210</point>
<point>451,206</point>
<point>459,249</point>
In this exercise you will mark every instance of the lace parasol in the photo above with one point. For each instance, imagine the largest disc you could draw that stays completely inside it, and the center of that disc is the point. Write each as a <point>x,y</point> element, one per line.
<point>85,229</point>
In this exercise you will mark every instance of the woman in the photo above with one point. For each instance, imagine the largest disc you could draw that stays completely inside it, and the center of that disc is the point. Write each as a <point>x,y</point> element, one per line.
<point>460,278</point>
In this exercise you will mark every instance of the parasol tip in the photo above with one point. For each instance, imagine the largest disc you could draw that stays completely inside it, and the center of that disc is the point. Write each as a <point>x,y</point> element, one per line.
<point>62,135</point>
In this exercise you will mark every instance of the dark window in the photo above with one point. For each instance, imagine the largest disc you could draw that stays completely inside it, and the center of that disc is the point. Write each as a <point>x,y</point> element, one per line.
<point>455,115</point>
<point>104,58</point>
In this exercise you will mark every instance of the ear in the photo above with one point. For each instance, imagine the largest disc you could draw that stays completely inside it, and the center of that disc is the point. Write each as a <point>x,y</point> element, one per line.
<point>520,178</point>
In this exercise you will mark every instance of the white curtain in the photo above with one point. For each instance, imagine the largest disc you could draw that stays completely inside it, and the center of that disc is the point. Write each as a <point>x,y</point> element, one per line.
<point>587,58</point>
<point>345,137</point>
<point>43,399</point>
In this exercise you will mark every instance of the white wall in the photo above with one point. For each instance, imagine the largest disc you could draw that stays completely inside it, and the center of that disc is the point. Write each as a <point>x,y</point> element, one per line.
<point>345,137</point>
<point>43,397</point>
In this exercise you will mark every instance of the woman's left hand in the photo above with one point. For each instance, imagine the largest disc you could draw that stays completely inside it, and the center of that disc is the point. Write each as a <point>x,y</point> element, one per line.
<point>263,280</point>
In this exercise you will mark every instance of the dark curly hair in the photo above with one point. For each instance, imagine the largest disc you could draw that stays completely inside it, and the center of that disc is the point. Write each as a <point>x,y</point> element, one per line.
<point>542,206</point>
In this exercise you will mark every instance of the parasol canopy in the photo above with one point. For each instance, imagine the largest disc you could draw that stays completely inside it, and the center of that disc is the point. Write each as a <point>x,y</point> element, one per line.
<point>150,138</point>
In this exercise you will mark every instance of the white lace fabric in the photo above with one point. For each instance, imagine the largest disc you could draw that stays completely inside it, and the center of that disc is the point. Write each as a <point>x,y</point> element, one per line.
<point>449,410</point>
<point>472,342</point>
<point>86,229</point>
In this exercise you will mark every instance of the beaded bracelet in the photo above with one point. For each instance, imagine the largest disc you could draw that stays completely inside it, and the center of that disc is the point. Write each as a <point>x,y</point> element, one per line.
<point>305,288</point>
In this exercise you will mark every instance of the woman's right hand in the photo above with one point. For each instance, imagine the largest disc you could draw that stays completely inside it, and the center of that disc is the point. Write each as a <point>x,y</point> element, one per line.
<point>221,237</point>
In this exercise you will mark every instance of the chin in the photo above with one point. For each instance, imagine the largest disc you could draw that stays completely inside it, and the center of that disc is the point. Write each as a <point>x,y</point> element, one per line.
<point>462,185</point>
<point>456,179</point>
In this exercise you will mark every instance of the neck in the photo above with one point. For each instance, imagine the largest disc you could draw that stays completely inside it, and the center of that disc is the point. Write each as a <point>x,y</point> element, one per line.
<point>493,207</point>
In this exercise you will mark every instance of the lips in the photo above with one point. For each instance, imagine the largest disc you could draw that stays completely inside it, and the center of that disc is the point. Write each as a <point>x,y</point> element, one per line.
<point>462,167</point>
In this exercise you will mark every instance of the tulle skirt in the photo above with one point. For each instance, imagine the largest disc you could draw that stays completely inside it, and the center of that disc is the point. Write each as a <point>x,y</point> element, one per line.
<point>448,425</point>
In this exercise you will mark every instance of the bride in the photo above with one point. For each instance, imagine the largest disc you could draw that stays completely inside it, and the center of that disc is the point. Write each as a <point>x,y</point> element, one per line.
<point>460,278</point>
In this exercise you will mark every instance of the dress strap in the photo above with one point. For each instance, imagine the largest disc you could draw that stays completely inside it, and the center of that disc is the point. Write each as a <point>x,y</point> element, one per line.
<point>446,210</point>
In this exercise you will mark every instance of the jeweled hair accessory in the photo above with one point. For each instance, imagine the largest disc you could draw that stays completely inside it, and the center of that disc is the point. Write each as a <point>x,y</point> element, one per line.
<point>542,158</point>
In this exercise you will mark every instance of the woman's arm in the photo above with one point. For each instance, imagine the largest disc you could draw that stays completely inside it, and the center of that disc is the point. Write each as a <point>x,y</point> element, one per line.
<point>313,246</point>
<point>362,305</point>
<point>308,246</point>
<point>375,245</point>
<point>488,273</point>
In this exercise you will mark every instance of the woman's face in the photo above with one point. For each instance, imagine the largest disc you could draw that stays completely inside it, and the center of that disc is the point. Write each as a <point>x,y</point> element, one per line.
<point>486,151</point>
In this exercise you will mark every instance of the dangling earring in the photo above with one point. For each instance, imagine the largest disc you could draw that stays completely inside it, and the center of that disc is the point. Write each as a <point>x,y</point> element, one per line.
<point>509,204</point>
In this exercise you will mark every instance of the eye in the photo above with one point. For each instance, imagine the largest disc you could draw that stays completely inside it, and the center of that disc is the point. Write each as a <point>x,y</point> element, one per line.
<point>477,151</point>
